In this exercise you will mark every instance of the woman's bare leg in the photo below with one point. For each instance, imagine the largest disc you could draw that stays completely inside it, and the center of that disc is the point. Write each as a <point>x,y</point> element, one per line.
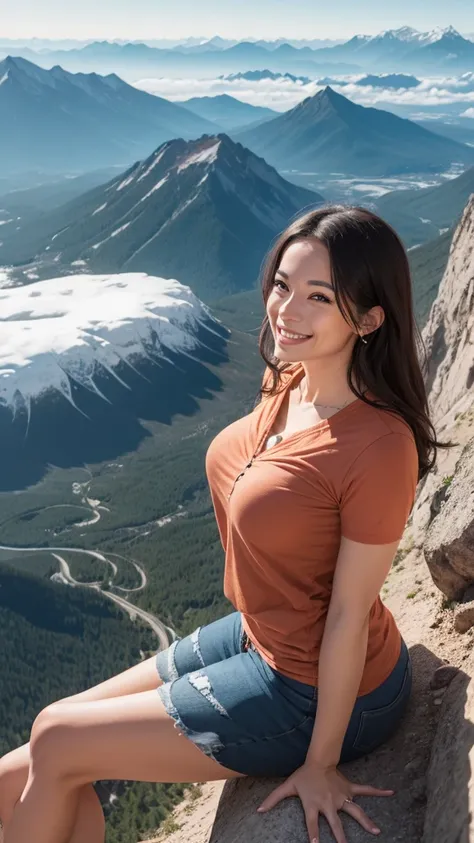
<point>14,767</point>
<point>73,744</point>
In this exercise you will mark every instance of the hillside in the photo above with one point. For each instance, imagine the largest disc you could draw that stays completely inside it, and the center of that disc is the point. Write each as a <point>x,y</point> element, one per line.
<point>420,215</point>
<point>66,122</point>
<point>212,196</point>
<point>328,133</point>
<point>227,112</point>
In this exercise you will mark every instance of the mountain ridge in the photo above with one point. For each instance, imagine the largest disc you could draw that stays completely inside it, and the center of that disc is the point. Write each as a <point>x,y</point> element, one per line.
<point>215,195</point>
<point>333,134</point>
<point>81,121</point>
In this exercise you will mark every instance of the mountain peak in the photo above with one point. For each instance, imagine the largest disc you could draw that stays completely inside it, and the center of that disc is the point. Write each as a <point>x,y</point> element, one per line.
<point>101,322</point>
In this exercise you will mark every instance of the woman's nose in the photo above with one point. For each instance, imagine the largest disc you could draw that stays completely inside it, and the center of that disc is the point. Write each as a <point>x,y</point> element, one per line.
<point>290,310</point>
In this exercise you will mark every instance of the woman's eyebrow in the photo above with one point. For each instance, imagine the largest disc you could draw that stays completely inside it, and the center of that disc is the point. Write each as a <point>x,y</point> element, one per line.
<point>312,283</point>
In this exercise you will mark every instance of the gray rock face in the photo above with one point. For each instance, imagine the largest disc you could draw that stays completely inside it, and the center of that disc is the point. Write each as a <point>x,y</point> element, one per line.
<point>449,332</point>
<point>450,785</point>
<point>449,541</point>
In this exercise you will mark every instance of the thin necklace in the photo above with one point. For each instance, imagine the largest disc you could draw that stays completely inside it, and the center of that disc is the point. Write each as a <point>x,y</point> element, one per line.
<point>315,403</point>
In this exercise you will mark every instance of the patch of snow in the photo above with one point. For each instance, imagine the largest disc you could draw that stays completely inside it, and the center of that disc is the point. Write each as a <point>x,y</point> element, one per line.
<point>79,263</point>
<point>5,222</point>
<point>119,230</point>
<point>425,221</point>
<point>33,276</point>
<point>98,210</point>
<point>205,156</point>
<point>4,77</point>
<point>126,182</point>
<point>443,230</point>
<point>155,161</point>
<point>155,188</point>
<point>5,279</point>
<point>75,329</point>
<point>59,232</point>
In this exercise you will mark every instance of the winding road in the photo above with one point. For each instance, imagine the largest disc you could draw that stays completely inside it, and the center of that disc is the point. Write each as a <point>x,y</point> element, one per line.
<point>165,634</point>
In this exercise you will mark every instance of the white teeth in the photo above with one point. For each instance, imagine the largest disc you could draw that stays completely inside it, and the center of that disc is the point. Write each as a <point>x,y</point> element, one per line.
<point>292,336</point>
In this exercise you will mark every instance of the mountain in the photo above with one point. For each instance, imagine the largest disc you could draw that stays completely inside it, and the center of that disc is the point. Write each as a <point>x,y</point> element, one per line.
<point>227,112</point>
<point>86,358</point>
<point>258,75</point>
<point>202,211</point>
<point>460,129</point>
<point>389,80</point>
<point>59,121</point>
<point>329,133</point>
<point>136,61</point>
<point>420,215</point>
<point>405,49</point>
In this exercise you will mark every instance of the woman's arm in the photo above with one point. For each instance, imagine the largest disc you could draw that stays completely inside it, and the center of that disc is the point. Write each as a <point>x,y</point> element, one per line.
<point>360,573</point>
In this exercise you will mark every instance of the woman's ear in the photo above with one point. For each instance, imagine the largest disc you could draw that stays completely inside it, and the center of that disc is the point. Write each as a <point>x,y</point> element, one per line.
<point>372,320</point>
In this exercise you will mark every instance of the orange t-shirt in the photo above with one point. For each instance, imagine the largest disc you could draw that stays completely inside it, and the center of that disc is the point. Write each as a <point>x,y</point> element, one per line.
<point>281,513</point>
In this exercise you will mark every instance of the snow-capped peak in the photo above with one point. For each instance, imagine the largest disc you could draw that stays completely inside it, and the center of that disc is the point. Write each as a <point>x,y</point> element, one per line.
<point>438,33</point>
<point>77,329</point>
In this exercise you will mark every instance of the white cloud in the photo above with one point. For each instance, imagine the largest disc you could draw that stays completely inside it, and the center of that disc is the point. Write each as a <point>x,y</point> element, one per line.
<point>468,113</point>
<point>283,94</point>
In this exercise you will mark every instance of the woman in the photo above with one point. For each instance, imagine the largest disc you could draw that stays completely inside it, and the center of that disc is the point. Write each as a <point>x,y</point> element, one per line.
<point>312,491</point>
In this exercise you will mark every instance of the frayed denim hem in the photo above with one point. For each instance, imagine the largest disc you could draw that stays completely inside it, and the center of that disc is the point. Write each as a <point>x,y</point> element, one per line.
<point>208,742</point>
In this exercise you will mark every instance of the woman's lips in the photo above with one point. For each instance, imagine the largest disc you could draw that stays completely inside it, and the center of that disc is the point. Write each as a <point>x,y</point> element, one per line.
<point>287,341</point>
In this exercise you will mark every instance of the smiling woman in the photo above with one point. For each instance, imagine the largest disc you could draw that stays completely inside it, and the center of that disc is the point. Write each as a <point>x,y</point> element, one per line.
<point>311,492</point>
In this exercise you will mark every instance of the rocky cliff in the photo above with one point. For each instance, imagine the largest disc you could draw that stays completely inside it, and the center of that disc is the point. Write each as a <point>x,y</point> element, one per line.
<point>429,761</point>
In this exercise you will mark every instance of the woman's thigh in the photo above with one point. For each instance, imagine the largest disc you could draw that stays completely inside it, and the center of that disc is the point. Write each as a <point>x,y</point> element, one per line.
<point>128,738</point>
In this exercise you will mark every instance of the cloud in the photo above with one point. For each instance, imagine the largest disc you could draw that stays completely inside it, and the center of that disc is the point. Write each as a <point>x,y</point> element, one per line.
<point>468,113</point>
<point>283,94</point>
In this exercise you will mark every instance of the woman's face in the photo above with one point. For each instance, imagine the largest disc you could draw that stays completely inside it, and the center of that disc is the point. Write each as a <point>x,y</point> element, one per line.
<point>302,303</point>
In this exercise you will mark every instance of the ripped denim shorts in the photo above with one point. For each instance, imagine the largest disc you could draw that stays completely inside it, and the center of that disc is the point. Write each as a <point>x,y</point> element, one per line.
<point>254,720</point>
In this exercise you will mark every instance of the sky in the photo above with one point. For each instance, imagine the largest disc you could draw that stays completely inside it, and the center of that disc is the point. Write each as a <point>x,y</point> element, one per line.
<point>136,19</point>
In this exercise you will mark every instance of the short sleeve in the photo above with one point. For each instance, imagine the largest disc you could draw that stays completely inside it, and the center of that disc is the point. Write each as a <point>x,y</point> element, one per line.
<point>379,490</point>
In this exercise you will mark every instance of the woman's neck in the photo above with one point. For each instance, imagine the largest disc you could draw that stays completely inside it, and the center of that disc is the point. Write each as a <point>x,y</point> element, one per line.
<point>324,384</point>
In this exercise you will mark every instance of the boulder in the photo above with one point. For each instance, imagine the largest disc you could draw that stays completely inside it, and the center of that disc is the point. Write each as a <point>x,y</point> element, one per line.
<point>450,781</point>
<point>449,541</point>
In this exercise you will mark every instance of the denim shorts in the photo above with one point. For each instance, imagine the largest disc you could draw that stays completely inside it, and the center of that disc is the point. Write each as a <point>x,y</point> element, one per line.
<point>251,718</point>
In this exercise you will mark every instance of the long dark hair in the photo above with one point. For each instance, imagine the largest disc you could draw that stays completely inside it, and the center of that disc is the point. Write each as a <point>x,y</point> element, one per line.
<point>369,267</point>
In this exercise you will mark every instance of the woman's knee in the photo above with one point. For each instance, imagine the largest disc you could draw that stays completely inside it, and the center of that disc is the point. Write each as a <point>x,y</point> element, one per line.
<point>13,777</point>
<point>48,740</point>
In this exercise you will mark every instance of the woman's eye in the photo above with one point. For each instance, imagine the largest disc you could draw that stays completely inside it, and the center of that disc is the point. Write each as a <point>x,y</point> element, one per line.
<point>321,297</point>
<point>277,282</point>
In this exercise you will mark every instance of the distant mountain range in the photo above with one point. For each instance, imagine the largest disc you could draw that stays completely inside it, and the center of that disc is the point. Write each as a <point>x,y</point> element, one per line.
<point>406,49</point>
<point>63,122</point>
<point>328,133</point>
<point>136,61</point>
<point>227,112</point>
<point>203,211</point>
<point>401,50</point>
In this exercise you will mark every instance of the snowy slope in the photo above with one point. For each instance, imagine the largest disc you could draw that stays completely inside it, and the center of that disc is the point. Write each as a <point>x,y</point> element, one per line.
<point>70,331</point>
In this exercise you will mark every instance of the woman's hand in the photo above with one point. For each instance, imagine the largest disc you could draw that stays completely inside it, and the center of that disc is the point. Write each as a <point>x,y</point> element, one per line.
<point>325,791</point>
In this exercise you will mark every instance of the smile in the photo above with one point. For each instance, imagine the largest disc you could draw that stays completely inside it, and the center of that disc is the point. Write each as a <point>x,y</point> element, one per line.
<point>289,335</point>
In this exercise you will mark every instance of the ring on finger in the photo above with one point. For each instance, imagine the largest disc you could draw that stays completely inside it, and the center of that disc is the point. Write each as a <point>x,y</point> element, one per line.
<point>351,801</point>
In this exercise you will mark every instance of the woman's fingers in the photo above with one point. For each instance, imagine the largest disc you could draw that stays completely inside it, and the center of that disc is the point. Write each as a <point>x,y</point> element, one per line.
<point>312,823</point>
<point>356,812</point>
<point>368,790</point>
<point>336,826</point>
